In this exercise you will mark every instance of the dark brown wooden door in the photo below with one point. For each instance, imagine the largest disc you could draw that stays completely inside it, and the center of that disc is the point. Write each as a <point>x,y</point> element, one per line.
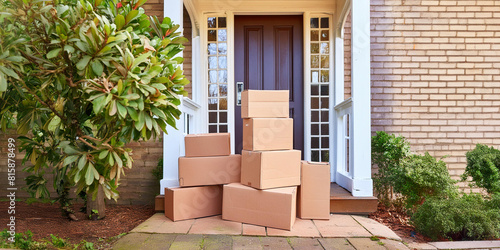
<point>268,56</point>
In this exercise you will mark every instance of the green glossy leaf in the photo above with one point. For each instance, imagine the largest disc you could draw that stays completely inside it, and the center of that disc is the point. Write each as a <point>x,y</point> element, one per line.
<point>70,159</point>
<point>82,161</point>
<point>83,62</point>
<point>103,154</point>
<point>89,174</point>
<point>53,53</point>
<point>119,21</point>
<point>122,111</point>
<point>149,122</point>
<point>97,67</point>
<point>133,113</point>
<point>131,16</point>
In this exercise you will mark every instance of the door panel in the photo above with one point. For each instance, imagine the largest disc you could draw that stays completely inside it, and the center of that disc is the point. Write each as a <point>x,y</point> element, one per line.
<point>268,56</point>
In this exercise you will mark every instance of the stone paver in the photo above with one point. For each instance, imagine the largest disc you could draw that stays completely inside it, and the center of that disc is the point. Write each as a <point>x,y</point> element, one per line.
<point>341,226</point>
<point>365,243</point>
<point>254,230</point>
<point>215,225</point>
<point>217,242</point>
<point>394,244</point>
<point>131,241</point>
<point>159,241</point>
<point>305,244</point>
<point>274,243</point>
<point>246,243</point>
<point>158,223</point>
<point>423,246</point>
<point>376,228</point>
<point>301,228</point>
<point>185,242</point>
<point>336,243</point>
<point>465,244</point>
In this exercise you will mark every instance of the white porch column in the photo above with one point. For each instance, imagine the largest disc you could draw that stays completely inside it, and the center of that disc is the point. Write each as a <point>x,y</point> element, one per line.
<point>173,143</point>
<point>361,108</point>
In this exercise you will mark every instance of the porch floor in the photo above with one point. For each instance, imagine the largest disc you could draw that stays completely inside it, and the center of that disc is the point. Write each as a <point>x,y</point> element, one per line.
<point>342,202</point>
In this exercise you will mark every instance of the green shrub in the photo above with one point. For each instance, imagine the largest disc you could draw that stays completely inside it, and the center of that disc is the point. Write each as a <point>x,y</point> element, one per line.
<point>422,176</point>
<point>483,165</point>
<point>388,151</point>
<point>466,217</point>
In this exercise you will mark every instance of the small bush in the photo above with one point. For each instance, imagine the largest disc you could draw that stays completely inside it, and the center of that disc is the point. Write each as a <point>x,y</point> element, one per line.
<point>483,165</point>
<point>466,217</point>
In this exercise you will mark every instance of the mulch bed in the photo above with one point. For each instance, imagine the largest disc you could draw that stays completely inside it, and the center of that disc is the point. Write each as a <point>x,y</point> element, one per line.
<point>43,219</point>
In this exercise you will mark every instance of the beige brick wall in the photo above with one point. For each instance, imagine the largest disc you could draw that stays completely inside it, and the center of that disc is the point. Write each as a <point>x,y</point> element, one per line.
<point>436,74</point>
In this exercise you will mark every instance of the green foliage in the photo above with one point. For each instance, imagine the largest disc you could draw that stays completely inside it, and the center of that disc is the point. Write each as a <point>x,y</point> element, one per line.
<point>158,170</point>
<point>58,242</point>
<point>82,78</point>
<point>483,165</point>
<point>388,151</point>
<point>466,217</point>
<point>21,241</point>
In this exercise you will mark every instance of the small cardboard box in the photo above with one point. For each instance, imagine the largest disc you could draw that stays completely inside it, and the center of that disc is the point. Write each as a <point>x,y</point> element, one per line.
<point>270,169</point>
<point>313,201</point>
<point>265,103</point>
<point>213,170</point>
<point>199,145</point>
<point>261,134</point>
<point>193,202</point>
<point>272,208</point>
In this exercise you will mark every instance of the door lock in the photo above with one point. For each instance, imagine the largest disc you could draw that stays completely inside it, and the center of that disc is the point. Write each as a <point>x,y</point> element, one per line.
<point>239,88</point>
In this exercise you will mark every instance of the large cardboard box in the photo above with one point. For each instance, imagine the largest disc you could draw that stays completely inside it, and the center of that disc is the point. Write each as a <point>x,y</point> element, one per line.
<point>313,201</point>
<point>198,145</point>
<point>270,169</point>
<point>272,207</point>
<point>265,103</point>
<point>193,202</point>
<point>261,134</point>
<point>213,170</point>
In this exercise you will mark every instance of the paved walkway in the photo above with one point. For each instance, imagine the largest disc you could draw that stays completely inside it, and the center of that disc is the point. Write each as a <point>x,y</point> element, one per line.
<point>340,232</point>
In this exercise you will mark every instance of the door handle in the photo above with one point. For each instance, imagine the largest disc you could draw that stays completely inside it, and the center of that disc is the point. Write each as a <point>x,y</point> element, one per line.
<point>239,88</point>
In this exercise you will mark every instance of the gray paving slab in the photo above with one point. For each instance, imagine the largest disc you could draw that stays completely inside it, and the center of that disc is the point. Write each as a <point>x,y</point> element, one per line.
<point>376,228</point>
<point>275,243</point>
<point>466,244</point>
<point>159,241</point>
<point>216,242</point>
<point>394,244</point>
<point>246,243</point>
<point>305,244</point>
<point>131,241</point>
<point>421,246</point>
<point>187,242</point>
<point>336,243</point>
<point>365,243</point>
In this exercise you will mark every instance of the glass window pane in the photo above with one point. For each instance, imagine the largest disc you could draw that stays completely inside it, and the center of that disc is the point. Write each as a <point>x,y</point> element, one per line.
<point>222,22</point>
<point>315,142</point>
<point>212,62</point>
<point>222,76</point>
<point>222,35</point>
<point>212,117</point>
<point>223,104</point>
<point>314,23</point>
<point>324,48</point>
<point>212,129</point>
<point>212,76</point>
<point>324,22</point>
<point>212,21</point>
<point>315,156</point>
<point>324,117</point>
<point>314,47</point>
<point>325,141</point>
<point>315,116</point>
<point>212,90</point>
<point>314,61</point>
<point>324,90</point>
<point>222,128</point>
<point>212,35</point>
<point>223,117</point>
<point>324,156</point>
<point>314,90</point>
<point>314,76</point>
<point>325,35</point>
<point>314,35</point>
<point>212,49</point>
<point>314,129</point>
<point>222,62</point>
<point>325,75</point>
<point>325,62</point>
<point>314,103</point>
<point>324,128</point>
<point>324,103</point>
<point>212,103</point>
<point>223,90</point>
<point>222,48</point>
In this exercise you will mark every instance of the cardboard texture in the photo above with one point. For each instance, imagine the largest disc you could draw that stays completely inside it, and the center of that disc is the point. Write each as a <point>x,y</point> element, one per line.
<point>199,145</point>
<point>313,200</point>
<point>272,208</point>
<point>261,134</point>
<point>265,103</point>
<point>213,170</point>
<point>270,169</point>
<point>193,202</point>
<point>160,203</point>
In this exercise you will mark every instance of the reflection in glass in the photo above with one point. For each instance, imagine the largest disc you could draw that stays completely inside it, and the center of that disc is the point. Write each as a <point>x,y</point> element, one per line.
<point>325,61</point>
<point>324,103</point>
<point>222,104</point>
<point>314,22</point>
<point>222,35</point>
<point>314,103</point>
<point>314,129</point>
<point>324,127</point>
<point>314,61</point>
<point>223,117</point>
<point>212,22</point>
<point>222,48</point>
<point>314,90</point>
<point>212,117</point>
<point>314,35</point>
<point>314,76</point>
<point>324,90</point>
<point>212,62</point>
<point>315,156</point>
<point>314,47</point>
<point>222,76</point>
<point>212,129</point>
<point>222,62</point>
<point>212,76</point>
<point>212,103</point>
<point>325,76</point>
<point>212,90</point>
<point>212,35</point>
<point>223,90</point>
<point>222,128</point>
<point>324,22</point>
<point>325,142</point>
<point>325,35</point>
<point>222,22</point>
<point>324,156</point>
<point>324,117</point>
<point>212,49</point>
<point>324,48</point>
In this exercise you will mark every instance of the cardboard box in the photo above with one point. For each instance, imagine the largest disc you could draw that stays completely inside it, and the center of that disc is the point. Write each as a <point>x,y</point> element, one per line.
<point>272,208</point>
<point>313,201</point>
<point>261,134</point>
<point>265,103</point>
<point>160,203</point>
<point>199,145</point>
<point>213,170</point>
<point>193,202</point>
<point>270,169</point>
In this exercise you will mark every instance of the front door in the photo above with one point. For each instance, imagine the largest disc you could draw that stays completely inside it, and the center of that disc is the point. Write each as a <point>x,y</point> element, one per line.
<point>268,56</point>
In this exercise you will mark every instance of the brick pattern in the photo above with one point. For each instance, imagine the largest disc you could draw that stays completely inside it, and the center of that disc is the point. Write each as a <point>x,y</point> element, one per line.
<point>436,74</point>
<point>138,186</point>
<point>188,52</point>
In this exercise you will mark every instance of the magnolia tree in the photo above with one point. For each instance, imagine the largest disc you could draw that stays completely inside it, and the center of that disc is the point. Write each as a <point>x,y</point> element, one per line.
<point>80,79</point>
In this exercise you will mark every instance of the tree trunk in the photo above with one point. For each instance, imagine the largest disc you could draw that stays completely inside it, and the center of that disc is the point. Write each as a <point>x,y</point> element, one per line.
<point>96,209</point>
